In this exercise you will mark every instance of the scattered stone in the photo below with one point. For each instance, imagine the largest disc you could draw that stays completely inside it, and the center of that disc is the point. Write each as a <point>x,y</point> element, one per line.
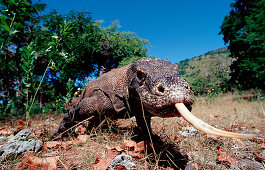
<point>184,133</point>
<point>124,160</point>
<point>246,148</point>
<point>192,130</point>
<point>189,131</point>
<point>235,147</point>
<point>257,131</point>
<point>49,121</point>
<point>190,167</point>
<point>19,145</point>
<point>244,163</point>
<point>20,136</point>
<point>263,153</point>
<point>3,139</point>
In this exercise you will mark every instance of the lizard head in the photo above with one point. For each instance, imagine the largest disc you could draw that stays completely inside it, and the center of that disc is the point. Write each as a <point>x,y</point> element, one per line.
<point>164,93</point>
<point>159,86</point>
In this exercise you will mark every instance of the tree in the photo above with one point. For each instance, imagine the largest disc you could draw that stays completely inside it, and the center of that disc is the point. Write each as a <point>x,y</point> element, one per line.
<point>83,47</point>
<point>244,30</point>
<point>208,71</point>
<point>18,19</point>
<point>55,48</point>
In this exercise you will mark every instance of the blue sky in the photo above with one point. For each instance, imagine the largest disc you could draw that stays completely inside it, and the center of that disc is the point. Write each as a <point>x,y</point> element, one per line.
<point>175,29</point>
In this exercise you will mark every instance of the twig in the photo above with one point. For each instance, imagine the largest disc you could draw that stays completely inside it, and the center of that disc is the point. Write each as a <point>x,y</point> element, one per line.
<point>152,145</point>
<point>95,129</point>
<point>232,123</point>
<point>62,164</point>
<point>74,126</point>
<point>28,111</point>
<point>172,161</point>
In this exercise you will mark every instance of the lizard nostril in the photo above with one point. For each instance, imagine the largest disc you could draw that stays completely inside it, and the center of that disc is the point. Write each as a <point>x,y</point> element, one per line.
<point>161,89</point>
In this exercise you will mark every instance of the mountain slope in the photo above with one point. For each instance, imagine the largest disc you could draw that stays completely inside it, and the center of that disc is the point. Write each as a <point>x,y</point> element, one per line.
<point>208,71</point>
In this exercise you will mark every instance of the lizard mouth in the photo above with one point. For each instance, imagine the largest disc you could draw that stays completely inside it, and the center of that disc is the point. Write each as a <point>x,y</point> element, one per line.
<point>168,111</point>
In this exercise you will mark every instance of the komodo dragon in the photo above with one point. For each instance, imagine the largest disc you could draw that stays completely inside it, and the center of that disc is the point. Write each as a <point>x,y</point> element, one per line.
<point>148,87</point>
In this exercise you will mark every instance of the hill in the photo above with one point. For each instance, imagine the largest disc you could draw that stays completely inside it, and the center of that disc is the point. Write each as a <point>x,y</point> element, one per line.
<point>208,71</point>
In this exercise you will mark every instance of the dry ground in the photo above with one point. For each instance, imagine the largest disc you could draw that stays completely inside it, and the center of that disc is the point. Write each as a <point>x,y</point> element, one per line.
<point>242,113</point>
<point>228,112</point>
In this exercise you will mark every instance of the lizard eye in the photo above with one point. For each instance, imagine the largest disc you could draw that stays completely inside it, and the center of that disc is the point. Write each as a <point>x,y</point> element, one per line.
<point>140,74</point>
<point>161,88</point>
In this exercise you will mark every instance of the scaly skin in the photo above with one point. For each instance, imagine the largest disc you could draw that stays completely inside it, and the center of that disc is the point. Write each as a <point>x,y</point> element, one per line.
<point>148,87</point>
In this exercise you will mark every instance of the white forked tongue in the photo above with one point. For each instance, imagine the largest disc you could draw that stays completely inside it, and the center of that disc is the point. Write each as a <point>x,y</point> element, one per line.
<point>206,128</point>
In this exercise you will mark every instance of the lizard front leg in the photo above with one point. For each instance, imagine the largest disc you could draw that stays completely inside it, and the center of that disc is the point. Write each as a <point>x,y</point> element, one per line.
<point>87,107</point>
<point>144,125</point>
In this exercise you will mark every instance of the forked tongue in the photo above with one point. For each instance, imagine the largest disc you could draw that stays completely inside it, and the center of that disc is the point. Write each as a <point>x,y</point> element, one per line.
<point>206,128</point>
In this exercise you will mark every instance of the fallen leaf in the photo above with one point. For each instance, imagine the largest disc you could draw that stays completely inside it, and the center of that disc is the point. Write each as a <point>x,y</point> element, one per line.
<point>32,162</point>
<point>136,155</point>
<point>10,137</point>
<point>79,140</point>
<point>120,167</point>
<point>239,142</point>
<point>21,124</point>
<point>261,146</point>
<point>258,155</point>
<point>67,144</point>
<point>140,147</point>
<point>223,157</point>
<point>41,125</point>
<point>81,130</point>
<point>45,139</point>
<point>82,139</point>
<point>168,168</point>
<point>103,163</point>
<point>39,133</point>
<point>129,143</point>
<point>119,149</point>
<point>52,144</point>
<point>108,147</point>
<point>7,131</point>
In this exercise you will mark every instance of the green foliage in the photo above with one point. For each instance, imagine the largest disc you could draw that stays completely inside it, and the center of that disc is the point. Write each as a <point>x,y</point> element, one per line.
<point>84,47</point>
<point>212,94</point>
<point>43,58</point>
<point>129,60</point>
<point>69,94</point>
<point>27,68</point>
<point>244,30</point>
<point>27,65</point>
<point>208,71</point>
<point>18,17</point>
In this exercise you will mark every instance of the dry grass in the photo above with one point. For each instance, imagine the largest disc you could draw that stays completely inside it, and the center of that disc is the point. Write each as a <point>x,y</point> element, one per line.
<point>229,112</point>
